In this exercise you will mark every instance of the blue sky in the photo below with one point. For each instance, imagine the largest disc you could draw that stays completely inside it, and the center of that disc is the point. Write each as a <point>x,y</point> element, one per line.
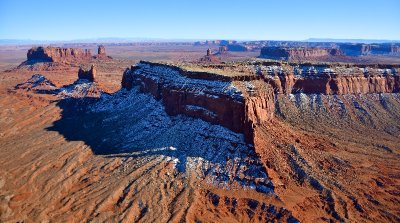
<point>205,19</point>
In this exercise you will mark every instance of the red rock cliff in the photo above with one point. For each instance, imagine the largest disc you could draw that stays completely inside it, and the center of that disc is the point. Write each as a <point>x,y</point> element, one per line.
<point>297,53</point>
<point>215,101</point>
<point>337,84</point>
<point>57,54</point>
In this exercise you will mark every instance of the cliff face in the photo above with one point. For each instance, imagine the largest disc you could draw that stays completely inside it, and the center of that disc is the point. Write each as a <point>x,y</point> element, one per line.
<point>57,54</point>
<point>243,104</point>
<point>337,84</point>
<point>359,49</point>
<point>64,55</point>
<point>101,53</point>
<point>297,53</point>
<point>87,74</point>
<point>215,101</point>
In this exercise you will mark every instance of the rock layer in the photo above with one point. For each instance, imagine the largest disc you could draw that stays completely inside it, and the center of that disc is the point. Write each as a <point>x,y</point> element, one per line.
<point>297,53</point>
<point>58,54</point>
<point>87,74</point>
<point>335,84</point>
<point>216,101</point>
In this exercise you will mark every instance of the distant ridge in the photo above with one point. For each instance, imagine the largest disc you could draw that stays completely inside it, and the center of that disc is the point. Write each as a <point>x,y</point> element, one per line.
<point>90,40</point>
<point>351,40</point>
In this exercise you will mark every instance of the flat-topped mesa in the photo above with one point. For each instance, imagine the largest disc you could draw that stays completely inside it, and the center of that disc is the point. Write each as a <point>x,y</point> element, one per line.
<point>89,75</point>
<point>284,53</point>
<point>236,106</point>
<point>58,54</point>
<point>321,79</point>
<point>358,49</point>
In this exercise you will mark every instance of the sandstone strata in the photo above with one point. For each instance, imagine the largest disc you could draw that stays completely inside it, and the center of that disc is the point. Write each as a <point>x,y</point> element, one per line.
<point>341,81</point>
<point>87,74</point>
<point>216,101</point>
<point>101,53</point>
<point>58,54</point>
<point>297,53</point>
<point>209,58</point>
<point>240,103</point>
<point>358,49</point>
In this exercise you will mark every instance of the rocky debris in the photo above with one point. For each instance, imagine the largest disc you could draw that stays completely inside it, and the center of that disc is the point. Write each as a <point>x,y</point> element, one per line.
<point>87,74</point>
<point>285,53</point>
<point>58,54</point>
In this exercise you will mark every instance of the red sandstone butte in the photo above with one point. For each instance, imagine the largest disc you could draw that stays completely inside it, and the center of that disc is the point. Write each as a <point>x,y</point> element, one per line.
<point>58,54</point>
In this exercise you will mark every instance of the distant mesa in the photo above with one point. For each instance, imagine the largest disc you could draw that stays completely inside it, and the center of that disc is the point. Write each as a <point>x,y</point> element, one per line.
<point>286,53</point>
<point>237,47</point>
<point>58,54</point>
<point>63,55</point>
<point>359,49</point>
<point>222,51</point>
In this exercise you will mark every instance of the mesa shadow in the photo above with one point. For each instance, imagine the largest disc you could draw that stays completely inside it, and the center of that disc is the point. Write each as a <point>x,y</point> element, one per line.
<point>78,124</point>
<point>105,132</point>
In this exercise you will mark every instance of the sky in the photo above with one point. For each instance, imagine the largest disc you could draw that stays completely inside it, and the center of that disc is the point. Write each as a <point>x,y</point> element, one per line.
<point>205,19</point>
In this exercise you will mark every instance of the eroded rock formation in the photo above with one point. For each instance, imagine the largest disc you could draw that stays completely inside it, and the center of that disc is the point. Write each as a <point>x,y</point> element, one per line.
<point>297,53</point>
<point>87,74</point>
<point>101,53</point>
<point>237,107</point>
<point>343,81</point>
<point>58,54</point>
<point>358,49</point>
<point>209,58</point>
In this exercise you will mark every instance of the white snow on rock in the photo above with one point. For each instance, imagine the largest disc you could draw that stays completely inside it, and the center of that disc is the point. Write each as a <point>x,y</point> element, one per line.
<point>197,148</point>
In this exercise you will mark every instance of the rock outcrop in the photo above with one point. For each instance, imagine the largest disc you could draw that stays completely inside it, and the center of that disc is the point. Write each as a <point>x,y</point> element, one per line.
<point>238,108</point>
<point>359,49</point>
<point>284,53</point>
<point>87,74</point>
<point>101,50</point>
<point>342,81</point>
<point>242,102</point>
<point>101,53</point>
<point>58,54</point>
<point>37,83</point>
<point>210,58</point>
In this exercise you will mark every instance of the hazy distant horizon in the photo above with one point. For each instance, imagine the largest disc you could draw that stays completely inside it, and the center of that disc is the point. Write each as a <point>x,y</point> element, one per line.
<point>206,19</point>
<point>144,40</point>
